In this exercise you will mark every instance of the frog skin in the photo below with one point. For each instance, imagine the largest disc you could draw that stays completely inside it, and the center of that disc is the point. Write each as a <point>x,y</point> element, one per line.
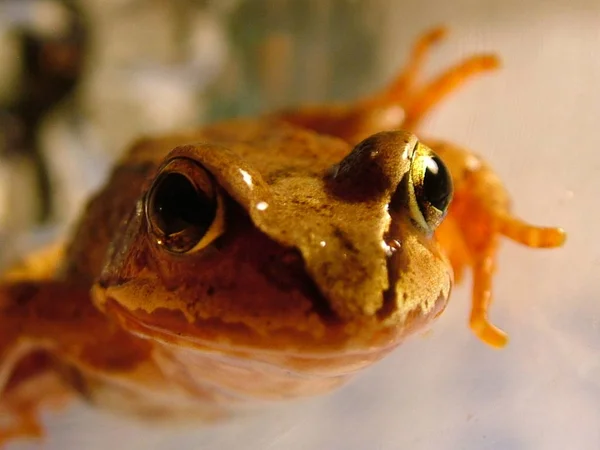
<point>257,260</point>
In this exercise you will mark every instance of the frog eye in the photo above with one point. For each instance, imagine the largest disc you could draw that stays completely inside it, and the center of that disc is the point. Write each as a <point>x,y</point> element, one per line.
<point>184,207</point>
<point>430,188</point>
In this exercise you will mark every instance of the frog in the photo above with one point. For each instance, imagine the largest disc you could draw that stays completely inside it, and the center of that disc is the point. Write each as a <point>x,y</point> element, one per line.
<point>258,260</point>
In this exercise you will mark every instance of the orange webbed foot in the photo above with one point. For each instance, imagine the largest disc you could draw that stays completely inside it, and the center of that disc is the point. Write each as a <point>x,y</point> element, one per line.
<point>530,235</point>
<point>477,219</point>
<point>483,269</point>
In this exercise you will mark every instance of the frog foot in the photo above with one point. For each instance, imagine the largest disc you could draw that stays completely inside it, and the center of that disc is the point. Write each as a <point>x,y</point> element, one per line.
<point>478,218</point>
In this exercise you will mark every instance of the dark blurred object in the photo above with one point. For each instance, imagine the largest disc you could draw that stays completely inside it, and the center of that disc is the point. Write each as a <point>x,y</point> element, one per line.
<point>51,60</point>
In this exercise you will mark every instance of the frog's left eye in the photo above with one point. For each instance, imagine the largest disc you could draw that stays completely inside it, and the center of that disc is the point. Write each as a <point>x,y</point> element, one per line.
<point>430,188</point>
<point>184,207</point>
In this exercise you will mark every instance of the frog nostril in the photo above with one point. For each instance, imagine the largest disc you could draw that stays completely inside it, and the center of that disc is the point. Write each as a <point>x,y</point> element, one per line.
<point>283,269</point>
<point>286,270</point>
<point>292,258</point>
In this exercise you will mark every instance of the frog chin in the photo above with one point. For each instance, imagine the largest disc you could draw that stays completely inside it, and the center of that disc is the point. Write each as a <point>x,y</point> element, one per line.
<point>241,367</point>
<point>241,373</point>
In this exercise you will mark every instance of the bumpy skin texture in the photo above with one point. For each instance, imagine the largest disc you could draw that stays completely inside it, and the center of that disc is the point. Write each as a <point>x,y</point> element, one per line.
<point>318,267</point>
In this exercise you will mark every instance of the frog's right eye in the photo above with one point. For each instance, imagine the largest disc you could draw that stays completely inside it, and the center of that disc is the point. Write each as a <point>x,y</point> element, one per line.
<point>184,207</point>
<point>430,188</point>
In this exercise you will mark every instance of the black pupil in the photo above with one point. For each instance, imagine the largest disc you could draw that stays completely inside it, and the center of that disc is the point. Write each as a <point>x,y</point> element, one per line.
<point>178,206</point>
<point>437,184</point>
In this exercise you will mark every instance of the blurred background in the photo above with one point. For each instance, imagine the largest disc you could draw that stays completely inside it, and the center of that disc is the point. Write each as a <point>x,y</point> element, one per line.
<point>80,79</point>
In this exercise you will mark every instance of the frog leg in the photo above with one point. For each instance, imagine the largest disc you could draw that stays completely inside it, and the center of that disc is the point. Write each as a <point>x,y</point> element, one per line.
<point>403,103</point>
<point>49,331</point>
<point>26,384</point>
<point>27,380</point>
<point>29,391</point>
<point>478,217</point>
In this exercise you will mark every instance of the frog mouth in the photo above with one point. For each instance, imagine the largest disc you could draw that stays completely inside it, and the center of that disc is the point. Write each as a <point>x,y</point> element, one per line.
<point>172,327</point>
<point>329,356</point>
<point>239,372</point>
<point>367,340</point>
<point>286,365</point>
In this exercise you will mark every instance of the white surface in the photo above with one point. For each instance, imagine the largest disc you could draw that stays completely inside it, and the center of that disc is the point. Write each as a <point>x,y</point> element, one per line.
<point>538,122</point>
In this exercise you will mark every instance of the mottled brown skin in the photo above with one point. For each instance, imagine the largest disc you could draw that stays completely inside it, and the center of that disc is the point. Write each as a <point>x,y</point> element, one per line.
<point>320,266</point>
